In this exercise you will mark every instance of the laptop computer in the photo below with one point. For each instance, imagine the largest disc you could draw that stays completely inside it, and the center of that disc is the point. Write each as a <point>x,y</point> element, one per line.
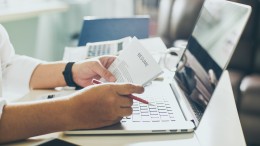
<point>178,106</point>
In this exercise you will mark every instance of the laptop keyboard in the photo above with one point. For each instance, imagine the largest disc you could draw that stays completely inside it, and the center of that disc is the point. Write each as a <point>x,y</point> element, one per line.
<point>160,111</point>
<point>197,111</point>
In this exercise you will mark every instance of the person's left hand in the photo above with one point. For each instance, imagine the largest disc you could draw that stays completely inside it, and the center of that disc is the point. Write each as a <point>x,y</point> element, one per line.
<point>84,71</point>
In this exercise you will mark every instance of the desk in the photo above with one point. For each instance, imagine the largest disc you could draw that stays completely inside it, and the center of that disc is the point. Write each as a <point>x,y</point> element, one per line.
<point>220,126</point>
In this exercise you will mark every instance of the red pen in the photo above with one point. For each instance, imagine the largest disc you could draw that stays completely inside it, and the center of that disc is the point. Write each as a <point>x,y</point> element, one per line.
<point>95,81</point>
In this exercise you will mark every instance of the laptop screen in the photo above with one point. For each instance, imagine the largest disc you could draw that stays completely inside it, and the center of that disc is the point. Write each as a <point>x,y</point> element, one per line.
<point>210,47</point>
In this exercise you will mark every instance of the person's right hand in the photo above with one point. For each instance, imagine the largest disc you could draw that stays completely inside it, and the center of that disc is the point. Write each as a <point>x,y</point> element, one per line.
<point>101,105</point>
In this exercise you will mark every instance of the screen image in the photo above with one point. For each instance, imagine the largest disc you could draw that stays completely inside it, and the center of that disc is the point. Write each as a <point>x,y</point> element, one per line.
<point>209,50</point>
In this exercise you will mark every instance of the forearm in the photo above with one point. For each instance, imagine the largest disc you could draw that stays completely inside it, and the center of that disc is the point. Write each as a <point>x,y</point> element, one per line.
<point>21,121</point>
<point>48,75</point>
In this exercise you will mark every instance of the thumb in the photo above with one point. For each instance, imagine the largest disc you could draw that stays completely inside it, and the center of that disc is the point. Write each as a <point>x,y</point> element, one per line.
<point>104,73</point>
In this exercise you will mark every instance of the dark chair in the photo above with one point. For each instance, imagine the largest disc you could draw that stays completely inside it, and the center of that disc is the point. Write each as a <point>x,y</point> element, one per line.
<point>177,19</point>
<point>104,29</point>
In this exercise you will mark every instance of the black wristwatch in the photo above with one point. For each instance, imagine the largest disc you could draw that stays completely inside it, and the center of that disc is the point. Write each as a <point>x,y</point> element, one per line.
<point>67,73</point>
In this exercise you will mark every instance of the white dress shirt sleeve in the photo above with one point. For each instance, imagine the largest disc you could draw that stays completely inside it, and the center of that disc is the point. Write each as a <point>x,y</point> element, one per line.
<point>16,70</point>
<point>17,74</point>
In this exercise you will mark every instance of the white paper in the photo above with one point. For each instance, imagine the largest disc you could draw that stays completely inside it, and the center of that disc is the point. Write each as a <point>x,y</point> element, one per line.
<point>135,65</point>
<point>95,49</point>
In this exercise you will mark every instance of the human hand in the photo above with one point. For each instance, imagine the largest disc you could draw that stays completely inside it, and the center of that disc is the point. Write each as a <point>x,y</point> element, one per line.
<point>84,71</point>
<point>101,105</point>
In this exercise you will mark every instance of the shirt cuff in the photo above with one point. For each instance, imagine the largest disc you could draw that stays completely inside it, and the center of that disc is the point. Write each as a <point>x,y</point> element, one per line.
<point>2,104</point>
<point>17,74</point>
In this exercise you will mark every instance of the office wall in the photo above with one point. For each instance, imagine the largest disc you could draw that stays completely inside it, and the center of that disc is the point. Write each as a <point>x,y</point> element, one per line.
<point>22,34</point>
<point>45,37</point>
<point>59,29</point>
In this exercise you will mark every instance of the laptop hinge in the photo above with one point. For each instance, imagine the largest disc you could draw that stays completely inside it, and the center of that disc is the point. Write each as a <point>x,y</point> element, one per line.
<point>194,123</point>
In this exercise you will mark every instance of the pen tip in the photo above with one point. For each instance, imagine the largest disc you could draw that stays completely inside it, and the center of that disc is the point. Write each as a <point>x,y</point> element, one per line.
<point>151,104</point>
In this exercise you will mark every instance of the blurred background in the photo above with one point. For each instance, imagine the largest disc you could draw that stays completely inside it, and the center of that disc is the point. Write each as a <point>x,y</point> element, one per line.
<point>43,28</point>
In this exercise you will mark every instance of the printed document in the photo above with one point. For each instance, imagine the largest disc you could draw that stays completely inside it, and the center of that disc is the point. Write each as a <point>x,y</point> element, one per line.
<point>95,49</point>
<point>135,65</point>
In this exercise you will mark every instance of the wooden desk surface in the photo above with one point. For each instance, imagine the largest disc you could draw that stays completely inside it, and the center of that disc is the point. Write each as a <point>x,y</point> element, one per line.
<point>220,126</point>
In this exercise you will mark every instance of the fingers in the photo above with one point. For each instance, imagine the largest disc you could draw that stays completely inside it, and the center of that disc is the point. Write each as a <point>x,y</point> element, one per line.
<point>125,111</point>
<point>125,108</point>
<point>126,89</point>
<point>106,61</point>
<point>125,101</point>
<point>104,73</point>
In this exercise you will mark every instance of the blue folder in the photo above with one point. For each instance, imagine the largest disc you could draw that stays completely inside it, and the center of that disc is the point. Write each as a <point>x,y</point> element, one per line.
<point>104,29</point>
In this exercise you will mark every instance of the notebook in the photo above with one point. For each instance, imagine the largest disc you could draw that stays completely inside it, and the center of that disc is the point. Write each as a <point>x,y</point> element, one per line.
<point>178,106</point>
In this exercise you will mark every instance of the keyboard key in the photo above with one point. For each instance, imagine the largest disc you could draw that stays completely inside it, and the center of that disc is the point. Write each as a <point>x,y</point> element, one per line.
<point>145,114</point>
<point>137,118</point>
<point>146,119</point>
<point>154,113</point>
<point>159,111</point>
<point>153,110</point>
<point>165,118</point>
<point>163,114</point>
